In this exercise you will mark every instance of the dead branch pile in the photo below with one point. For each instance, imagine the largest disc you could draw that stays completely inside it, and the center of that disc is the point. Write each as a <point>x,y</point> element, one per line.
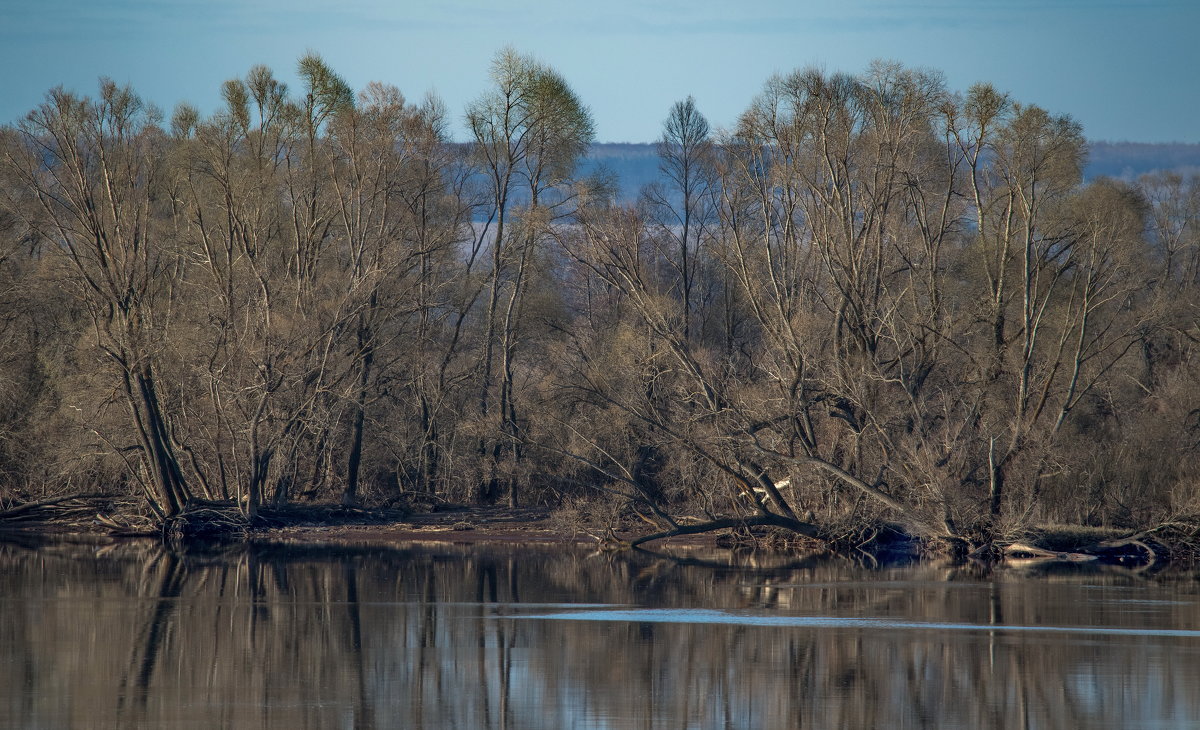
<point>76,511</point>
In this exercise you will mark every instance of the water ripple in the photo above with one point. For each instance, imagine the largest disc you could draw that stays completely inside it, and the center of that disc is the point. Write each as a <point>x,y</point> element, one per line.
<point>710,616</point>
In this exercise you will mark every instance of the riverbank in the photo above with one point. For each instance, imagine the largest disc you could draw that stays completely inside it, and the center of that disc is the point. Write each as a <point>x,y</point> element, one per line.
<point>466,525</point>
<point>332,524</point>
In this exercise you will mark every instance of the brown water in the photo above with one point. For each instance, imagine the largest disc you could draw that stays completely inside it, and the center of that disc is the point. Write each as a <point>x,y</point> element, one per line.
<point>488,637</point>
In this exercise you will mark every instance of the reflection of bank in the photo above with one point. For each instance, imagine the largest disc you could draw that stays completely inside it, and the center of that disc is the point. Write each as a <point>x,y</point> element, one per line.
<point>163,578</point>
<point>491,637</point>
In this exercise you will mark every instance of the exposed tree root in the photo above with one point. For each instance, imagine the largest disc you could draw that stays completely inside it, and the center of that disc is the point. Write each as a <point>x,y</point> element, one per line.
<point>205,522</point>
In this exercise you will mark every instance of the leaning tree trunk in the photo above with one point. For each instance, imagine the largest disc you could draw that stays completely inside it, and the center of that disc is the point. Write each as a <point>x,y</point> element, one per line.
<point>168,493</point>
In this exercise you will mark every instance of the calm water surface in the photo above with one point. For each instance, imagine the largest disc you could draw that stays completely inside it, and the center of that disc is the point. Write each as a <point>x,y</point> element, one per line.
<point>492,637</point>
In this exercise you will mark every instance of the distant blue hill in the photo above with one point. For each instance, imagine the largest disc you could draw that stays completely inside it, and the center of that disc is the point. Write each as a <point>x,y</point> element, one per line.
<point>1129,160</point>
<point>636,165</point>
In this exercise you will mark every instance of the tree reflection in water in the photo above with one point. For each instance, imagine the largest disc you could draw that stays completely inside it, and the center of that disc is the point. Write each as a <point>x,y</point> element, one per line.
<point>445,637</point>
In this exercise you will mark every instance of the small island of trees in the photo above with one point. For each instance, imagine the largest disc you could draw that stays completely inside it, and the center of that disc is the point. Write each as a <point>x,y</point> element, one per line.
<point>872,305</point>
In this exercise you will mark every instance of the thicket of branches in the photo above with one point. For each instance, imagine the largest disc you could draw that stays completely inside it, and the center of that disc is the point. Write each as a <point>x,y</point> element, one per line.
<point>873,298</point>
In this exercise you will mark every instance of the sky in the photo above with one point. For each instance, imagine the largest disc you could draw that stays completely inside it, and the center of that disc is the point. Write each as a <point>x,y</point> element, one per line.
<point>1125,69</point>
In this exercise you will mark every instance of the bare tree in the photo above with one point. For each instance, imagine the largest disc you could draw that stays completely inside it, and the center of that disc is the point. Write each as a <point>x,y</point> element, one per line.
<point>529,132</point>
<point>682,205</point>
<point>90,169</point>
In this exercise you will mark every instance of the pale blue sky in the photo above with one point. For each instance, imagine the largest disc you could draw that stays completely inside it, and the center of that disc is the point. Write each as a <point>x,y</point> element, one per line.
<point>1126,69</point>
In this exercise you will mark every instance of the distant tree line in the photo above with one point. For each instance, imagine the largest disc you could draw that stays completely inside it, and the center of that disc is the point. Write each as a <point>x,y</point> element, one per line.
<point>1130,160</point>
<point>871,299</point>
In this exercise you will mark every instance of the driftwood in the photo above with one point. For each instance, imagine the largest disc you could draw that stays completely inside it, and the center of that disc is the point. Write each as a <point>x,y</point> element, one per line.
<point>25,511</point>
<point>1025,551</point>
<point>126,529</point>
<point>105,521</point>
<point>1135,541</point>
<point>1119,550</point>
<point>759,520</point>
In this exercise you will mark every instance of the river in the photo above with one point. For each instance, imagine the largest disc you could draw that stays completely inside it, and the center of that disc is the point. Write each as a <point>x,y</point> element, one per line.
<point>131,635</point>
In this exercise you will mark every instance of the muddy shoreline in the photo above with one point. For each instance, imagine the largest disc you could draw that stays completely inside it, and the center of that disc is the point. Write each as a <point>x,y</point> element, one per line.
<point>468,526</point>
<point>340,526</point>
